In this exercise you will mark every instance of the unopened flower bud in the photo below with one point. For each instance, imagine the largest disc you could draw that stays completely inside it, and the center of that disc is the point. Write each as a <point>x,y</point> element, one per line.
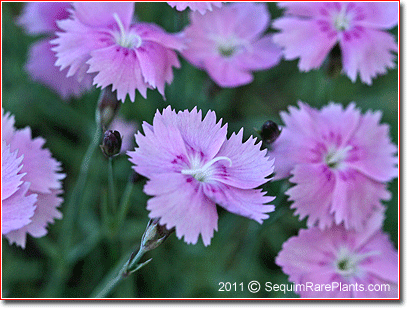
<point>108,105</point>
<point>270,132</point>
<point>333,63</point>
<point>154,235</point>
<point>111,143</point>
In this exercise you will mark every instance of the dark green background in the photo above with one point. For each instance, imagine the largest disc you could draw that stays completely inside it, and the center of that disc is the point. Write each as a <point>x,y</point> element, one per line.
<point>241,250</point>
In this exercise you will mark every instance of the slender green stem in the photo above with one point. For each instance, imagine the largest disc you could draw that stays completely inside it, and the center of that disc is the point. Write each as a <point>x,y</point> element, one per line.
<point>111,186</point>
<point>124,205</point>
<point>118,273</point>
<point>74,201</point>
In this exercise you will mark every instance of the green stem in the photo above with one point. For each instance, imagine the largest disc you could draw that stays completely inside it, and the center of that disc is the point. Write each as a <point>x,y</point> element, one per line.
<point>124,206</point>
<point>111,186</point>
<point>118,273</point>
<point>74,201</point>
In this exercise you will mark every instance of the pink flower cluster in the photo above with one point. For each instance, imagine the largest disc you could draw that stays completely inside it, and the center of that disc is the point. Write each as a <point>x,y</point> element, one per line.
<point>192,166</point>
<point>31,184</point>
<point>309,31</point>
<point>341,162</point>
<point>39,18</point>
<point>100,38</point>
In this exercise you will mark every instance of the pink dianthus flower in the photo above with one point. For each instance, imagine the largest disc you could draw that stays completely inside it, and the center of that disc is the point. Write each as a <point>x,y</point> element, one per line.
<point>31,184</point>
<point>310,30</point>
<point>202,7</point>
<point>40,18</point>
<point>100,38</point>
<point>192,166</point>
<point>339,160</point>
<point>228,43</point>
<point>351,264</point>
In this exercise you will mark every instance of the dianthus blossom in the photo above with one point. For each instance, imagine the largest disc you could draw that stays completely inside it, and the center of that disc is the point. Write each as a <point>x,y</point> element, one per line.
<point>202,7</point>
<point>228,43</point>
<point>31,184</point>
<point>309,31</point>
<point>39,18</point>
<point>192,166</point>
<point>340,263</point>
<point>340,161</point>
<point>100,38</point>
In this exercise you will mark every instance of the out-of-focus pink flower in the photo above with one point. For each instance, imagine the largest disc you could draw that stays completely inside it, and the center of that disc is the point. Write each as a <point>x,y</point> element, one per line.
<point>99,38</point>
<point>339,160</point>
<point>340,263</point>
<point>310,30</point>
<point>127,130</point>
<point>192,166</point>
<point>201,7</point>
<point>40,18</point>
<point>31,184</point>
<point>228,43</point>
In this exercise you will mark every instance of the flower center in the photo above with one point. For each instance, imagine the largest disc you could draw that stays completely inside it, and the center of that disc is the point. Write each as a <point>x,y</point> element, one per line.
<point>227,47</point>
<point>347,262</point>
<point>341,20</point>
<point>335,157</point>
<point>124,38</point>
<point>202,173</point>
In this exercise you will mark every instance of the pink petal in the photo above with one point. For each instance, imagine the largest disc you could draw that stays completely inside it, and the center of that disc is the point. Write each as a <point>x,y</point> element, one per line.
<point>382,15</point>
<point>40,65</point>
<point>252,19</point>
<point>40,168</point>
<point>201,7</point>
<point>263,55</point>
<point>7,126</point>
<point>73,46</point>
<point>10,168</point>
<point>118,66</point>
<point>182,205</point>
<point>154,33</point>
<point>249,203</point>
<point>100,14</point>
<point>355,198</point>
<point>374,153</point>
<point>303,9</point>
<point>250,167</point>
<point>225,73</point>
<point>368,54</point>
<point>17,210</point>
<point>41,17</point>
<point>44,214</point>
<point>313,193</point>
<point>303,39</point>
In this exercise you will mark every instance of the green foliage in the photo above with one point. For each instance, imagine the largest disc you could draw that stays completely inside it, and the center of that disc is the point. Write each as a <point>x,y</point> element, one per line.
<point>241,250</point>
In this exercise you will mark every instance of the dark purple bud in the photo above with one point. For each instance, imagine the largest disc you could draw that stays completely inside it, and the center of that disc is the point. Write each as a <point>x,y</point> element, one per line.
<point>270,132</point>
<point>108,105</point>
<point>111,143</point>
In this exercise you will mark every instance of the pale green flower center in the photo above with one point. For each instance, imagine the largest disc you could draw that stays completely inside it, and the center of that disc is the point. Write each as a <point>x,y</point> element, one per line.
<point>201,172</point>
<point>341,20</point>
<point>335,157</point>
<point>347,262</point>
<point>227,47</point>
<point>124,38</point>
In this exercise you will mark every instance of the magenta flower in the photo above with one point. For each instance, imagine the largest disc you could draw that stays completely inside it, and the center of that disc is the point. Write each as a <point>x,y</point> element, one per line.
<point>99,38</point>
<point>310,30</point>
<point>40,18</point>
<point>229,44</point>
<point>192,166</point>
<point>339,160</point>
<point>352,264</point>
<point>31,184</point>
<point>201,7</point>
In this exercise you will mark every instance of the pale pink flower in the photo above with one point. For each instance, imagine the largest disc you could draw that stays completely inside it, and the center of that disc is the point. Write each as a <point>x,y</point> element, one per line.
<point>228,43</point>
<point>351,264</point>
<point>202,6</point>
<point>41,18</point>
<point>100,38</point>
<point>339,160</point>
<point>31,184</point>
<point>309,31</point>
<point>192,166</point>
